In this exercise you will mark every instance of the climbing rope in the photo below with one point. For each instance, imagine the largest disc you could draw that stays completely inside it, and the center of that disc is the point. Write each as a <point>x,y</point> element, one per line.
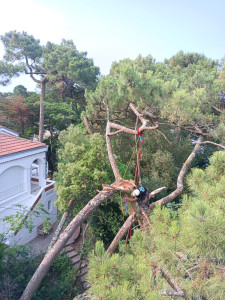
<point>137,177</point>
<point>129,231</point>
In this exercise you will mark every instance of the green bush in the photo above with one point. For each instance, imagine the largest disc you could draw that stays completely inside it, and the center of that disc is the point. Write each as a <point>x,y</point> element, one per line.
<point>17,267</point>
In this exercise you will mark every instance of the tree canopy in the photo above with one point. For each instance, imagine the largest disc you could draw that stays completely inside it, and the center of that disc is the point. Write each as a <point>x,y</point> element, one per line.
<point>62,66</point>
<point>184,249</point>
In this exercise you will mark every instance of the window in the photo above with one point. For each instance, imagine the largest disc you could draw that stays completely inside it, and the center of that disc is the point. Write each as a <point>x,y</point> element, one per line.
<point>49,205</point>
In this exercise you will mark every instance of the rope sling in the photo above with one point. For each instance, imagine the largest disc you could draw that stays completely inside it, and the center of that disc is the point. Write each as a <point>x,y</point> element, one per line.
<point>137,177</point>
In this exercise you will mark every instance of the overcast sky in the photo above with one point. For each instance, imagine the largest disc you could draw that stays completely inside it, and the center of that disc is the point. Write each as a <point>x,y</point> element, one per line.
<point>111,30</point>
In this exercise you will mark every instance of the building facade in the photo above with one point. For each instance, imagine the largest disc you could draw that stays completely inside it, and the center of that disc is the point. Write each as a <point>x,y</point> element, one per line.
<point>23,185</point>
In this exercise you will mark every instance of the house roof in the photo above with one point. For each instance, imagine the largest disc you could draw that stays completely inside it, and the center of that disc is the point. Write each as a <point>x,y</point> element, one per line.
<point>10,144</point>
<point>8,130</point>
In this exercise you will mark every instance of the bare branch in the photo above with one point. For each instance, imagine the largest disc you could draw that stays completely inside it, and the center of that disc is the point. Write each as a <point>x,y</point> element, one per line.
<point>88,125</point>
<point>166,274</point>
<point>180,178</point>
<point>164,136</point>
<point>115,132</point>
<point>215,144</point>
<point>173,293</point>
<point>140,116</point>
<point>110,154</point>
<point>153,193</point>
<point>177,258</point>
<point>122,128</point>
<point>31,71</point>
<point>217,109</point>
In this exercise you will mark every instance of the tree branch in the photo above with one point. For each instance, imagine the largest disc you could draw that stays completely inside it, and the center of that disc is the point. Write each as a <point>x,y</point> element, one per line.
<point>121,233</point>
<point>173,293</point>
<point>60,226</point>
<point>110,154</point>
<point>217,109</point>
<point>123,230</point>
<point>31,72</point>
<point>88,125</point>
<point>166,274</point>
<point>215,144</point>
<point>180,178</point>
<point>62,240</point>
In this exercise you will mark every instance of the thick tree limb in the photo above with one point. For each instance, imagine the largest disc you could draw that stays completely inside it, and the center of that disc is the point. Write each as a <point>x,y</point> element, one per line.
<point>153,193</point>
<point>60,226</point>
<point>180,178</point>
<point>62,240</point>
<point>88,125</point>
<point>119,129</point>
<point>121,233</point>
<point>123,230</point>
<point>110,154</point>
<point>166,274</point>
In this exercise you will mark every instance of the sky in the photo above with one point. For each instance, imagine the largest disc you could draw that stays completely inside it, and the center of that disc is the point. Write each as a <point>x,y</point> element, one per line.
<point>111,30</point>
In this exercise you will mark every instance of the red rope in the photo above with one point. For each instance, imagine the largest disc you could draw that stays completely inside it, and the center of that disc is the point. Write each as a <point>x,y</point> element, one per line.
<point>129,232</point>
<point>138,132</point>
<point>137,171</point>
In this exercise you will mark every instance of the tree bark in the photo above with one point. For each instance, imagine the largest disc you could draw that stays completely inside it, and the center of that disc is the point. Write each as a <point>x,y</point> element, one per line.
<point>42,110</point>
<point>60,226</point>
<point>88,125</point>
<point>110,154</point>
<point>120,234</point>
<point>63,238</point>
<point>180,178</point>
<point>43,83</point>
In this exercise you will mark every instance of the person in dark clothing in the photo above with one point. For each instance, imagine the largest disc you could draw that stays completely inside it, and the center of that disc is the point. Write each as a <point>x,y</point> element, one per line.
<point>142,195</point>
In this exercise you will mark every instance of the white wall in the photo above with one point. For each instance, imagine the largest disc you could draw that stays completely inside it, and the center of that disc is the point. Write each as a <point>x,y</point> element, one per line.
<point>15,170</point>
<point>12,182</point>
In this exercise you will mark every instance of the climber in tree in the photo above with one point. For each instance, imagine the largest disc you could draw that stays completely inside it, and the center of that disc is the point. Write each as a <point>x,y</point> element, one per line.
<point>141,195</point>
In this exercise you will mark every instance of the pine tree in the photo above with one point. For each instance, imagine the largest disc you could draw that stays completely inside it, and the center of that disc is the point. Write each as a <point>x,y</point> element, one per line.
<point>186,246</point>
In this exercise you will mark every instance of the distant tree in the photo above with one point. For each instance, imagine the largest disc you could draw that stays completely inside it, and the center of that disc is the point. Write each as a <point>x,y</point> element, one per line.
<point>20,90</point>
<point>53,63</point>
<point>16,113</point>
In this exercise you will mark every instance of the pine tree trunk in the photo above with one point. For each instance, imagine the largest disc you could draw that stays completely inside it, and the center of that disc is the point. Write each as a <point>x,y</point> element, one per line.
<point>42,111</point>
<point>63,238</point>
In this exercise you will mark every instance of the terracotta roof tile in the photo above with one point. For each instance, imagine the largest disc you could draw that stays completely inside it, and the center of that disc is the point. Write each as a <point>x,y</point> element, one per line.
<point>10,144</point>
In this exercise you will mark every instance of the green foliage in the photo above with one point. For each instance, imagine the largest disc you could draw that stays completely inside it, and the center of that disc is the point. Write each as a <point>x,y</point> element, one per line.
<point>78,154</point>
<point>18,267</point>
<point>107,221</point>
<point>20,90</point>
<point>69,63</point>
<point>124,276</point>
<point>59,282</point>
<point>8,71</point>
<point>182,93</point>
<point>23,218</point>
<point>188,243</point>
<point>179,93</point>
